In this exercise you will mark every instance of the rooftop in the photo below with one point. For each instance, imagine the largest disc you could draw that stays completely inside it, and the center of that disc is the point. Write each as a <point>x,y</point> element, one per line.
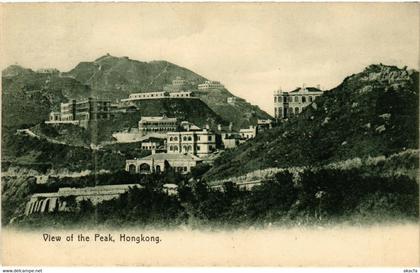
<point>306,89</point>
<point>161,118</point>
<point>97,190</point>
<point>165,156</point>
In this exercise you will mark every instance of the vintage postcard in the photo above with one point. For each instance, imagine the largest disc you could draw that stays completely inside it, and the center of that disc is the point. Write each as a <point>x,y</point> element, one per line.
<point>210,134</point>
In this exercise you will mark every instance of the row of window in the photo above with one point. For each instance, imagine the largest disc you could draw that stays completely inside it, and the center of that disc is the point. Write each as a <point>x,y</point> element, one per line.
<point>181,169</point>
<point>302,99</point>
<point>188,138</point>
<point>185,148</point>
<point>148,123</point>
<point>149,147</point>
<point>279,113</point>
<point>165,129</point>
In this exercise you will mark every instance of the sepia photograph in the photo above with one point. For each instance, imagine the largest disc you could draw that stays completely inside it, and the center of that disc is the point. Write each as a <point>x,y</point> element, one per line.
<point>210,134</point>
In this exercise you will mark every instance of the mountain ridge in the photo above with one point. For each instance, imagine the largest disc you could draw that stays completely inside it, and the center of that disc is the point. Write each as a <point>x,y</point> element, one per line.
<point>111,78</point>
<point>370,113</point>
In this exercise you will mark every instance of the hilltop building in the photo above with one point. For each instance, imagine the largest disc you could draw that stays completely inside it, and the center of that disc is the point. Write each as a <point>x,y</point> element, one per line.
<point>159,162</point>
<point>48,71</point>
<point>54,116</point>
<point>178,82</point>
<point>248,133</point>
<point>159,125</point>
<point>288,104</point>
<point>210,85</point>
<point>232,100</point>
<point>81,112</point>
<point>158,95</point>
<point>90,109</point>
<point>264,124</point>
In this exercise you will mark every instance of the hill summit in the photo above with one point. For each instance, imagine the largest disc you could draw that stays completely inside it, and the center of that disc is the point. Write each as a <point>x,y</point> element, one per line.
<point>372,113</point>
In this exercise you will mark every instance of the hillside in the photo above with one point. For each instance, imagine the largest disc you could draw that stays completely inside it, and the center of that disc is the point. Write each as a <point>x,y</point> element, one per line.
<point>369,114</point>
<point>29,96</point>
<point>116,78</point>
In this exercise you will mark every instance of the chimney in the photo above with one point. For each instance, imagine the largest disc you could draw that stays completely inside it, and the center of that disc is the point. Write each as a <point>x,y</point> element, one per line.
<point>318,86</point>
<point>207,127</point>
<point>219,127</point>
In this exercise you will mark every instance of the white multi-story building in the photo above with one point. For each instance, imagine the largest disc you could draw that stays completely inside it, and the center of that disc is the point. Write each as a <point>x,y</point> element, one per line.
<point>181,94</point>
<point>248,133</point>
<point>210,85</point>
<point>288,104</point>
<point>158,95</point>
<point>232,100</point>
<point>200,143</point>
<point>160,125</point>
<point>179,82</point>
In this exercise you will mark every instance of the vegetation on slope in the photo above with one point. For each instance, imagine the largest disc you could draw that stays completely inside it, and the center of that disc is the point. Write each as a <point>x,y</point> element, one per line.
<point>322,197</point>
<point>29,96</point>
<point>371,113</point>
<point>42,155</point>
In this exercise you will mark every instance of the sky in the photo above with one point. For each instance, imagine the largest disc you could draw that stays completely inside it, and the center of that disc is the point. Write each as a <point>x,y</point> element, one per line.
<point>253,49</point>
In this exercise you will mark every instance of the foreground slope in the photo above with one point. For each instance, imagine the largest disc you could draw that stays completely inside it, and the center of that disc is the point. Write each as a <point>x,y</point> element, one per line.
<point>371,113</point>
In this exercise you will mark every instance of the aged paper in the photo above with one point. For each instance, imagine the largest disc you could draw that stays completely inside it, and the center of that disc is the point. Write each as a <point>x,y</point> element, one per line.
<point>210,134</point>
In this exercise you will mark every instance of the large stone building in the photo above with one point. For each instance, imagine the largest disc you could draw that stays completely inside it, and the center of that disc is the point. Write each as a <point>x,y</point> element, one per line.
<point>288,104</point>
<point>68,199</point>
<point>200,143</point>
<point>84,110</point>
<point>161,125</point>
<point>159,162</point>
<point>178,82</point>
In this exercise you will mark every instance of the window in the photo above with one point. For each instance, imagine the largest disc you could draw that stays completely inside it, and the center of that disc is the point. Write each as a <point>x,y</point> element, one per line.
<point>275,99</point>
<point>189,138</point>
<point>171,139</point>
<point>198,137</point>
<point>184,138</point>
<point>280,112</point>
<point>171,148</point>
<point>303,99</point>
<point>297,110</point>
<point>209,138</point>
<point>290,110</point>
<point>198,148</point>
<point>185,169</point>
<point>296,99</point>
<point>280,99</point>
<point>175,138</point>
<point>175,148</point>
<point>311,99</point>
